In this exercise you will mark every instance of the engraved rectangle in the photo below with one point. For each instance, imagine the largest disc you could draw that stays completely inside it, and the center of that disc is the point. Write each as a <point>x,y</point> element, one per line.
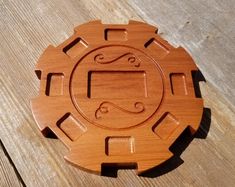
<point>71,127</point>
<point>166,126</point>
<point>178,84</point>
<point>119,145</point>
<point>116,84</point>
<point>115,34</point>
<point>157,47</point>
<point>54,86</point>
<point>75,48</point>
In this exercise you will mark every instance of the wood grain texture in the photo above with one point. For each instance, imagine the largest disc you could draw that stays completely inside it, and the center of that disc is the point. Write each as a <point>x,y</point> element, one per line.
<point>28,27</point>
<point>204,28</point>
<point>120,98</point>
<point>8,174</point>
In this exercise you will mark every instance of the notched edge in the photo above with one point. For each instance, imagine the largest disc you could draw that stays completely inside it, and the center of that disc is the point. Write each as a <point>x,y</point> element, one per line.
<point>39,74</point>
<point>111,169</point>
<point>47,132</point>
<point>197,77</point>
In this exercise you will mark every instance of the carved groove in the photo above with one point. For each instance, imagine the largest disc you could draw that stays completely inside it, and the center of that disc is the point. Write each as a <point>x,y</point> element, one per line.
<point>157,47</point>
<point>178,84</point>
<point>100,58</point>
<point>166,126</point>
<point>104,109</point>
<point>116,84</point>
<point>115,34</point>
<point>71,127</point>
<point>76,47</point>
<point>54,85</point>
<point>119,145</point>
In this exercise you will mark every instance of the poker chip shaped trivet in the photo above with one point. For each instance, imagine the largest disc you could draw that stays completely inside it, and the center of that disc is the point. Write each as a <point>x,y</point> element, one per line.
<point>116,94</point>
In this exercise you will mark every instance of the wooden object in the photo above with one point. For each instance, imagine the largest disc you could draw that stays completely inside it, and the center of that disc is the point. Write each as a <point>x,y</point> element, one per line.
<point>201,27</point>
<point>116,94</point>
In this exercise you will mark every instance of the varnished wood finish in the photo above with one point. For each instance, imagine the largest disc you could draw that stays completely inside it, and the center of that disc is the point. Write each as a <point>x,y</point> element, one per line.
<point>116,94</point>
<point>204,28</point>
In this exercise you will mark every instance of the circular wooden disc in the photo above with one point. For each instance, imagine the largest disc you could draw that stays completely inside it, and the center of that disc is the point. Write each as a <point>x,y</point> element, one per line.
<point>116,95</point>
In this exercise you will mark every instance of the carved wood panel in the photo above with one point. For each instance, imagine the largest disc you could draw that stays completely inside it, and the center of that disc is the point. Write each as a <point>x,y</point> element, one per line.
<point>116,94</point>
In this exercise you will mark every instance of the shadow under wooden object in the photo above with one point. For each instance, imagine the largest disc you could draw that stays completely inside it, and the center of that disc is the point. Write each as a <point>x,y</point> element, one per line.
<point>177,147</point>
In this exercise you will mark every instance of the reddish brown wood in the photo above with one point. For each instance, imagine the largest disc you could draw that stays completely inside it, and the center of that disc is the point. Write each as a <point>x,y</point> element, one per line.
<point>116,94</point>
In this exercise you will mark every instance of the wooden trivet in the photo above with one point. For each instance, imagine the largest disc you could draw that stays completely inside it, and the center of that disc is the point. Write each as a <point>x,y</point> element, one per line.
<point>116,94</point>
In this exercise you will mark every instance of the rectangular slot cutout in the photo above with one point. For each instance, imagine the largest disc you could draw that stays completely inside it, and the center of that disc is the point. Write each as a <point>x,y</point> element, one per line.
<point>115,34</point>
<point>54,85</point>
<point>166,126</point>
<point>178,84</point>
<point>116,84</point>
<point>157,47</point>
<point>71,127</point>
<point>122,145</point>
<point>75,48</point>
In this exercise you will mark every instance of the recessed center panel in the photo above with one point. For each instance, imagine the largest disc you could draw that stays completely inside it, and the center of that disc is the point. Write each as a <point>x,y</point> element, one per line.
<point>116,87</point>
<point>116,84</point>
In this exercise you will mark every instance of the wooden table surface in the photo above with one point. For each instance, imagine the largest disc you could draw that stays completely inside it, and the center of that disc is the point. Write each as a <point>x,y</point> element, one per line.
<point>205,28</point>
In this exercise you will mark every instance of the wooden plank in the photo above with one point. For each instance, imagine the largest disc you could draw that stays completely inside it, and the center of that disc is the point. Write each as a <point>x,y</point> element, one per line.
<point>28,27</point>
<point>205,28</point>
<point>9,176</point>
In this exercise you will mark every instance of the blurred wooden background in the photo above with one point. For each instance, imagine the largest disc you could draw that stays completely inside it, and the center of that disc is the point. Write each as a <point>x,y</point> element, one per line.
<point>206,29</point>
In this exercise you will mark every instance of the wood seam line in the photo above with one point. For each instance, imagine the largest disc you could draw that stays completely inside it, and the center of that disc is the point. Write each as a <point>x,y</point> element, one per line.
<point>12,164</point>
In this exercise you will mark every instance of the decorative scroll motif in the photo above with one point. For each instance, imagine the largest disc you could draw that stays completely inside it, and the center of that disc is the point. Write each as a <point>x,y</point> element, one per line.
<point>106,106</point>
<point>131,58</point>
